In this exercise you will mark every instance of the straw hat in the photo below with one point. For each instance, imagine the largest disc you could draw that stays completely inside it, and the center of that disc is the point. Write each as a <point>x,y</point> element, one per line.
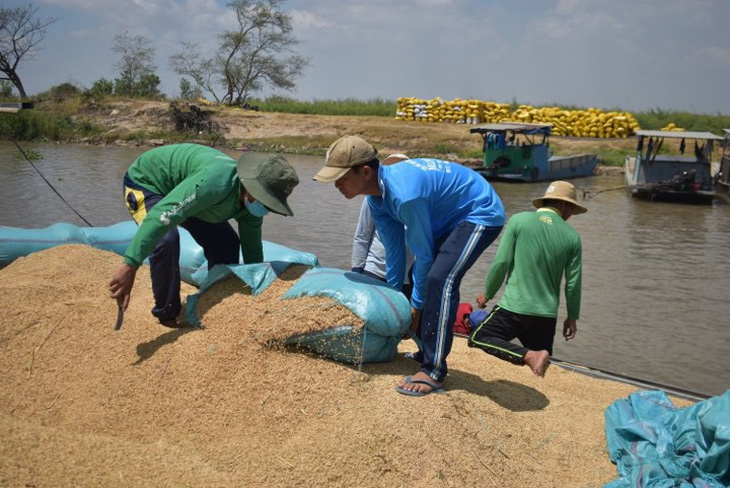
<point>561,190</point>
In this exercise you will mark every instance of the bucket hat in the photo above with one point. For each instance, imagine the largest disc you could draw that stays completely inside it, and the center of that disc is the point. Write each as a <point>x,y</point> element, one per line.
<point>561,190</point>
<point>270,179</point>
<point>345,153</point>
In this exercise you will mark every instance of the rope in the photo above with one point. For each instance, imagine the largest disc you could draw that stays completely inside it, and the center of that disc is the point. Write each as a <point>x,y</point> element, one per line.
<point>592,193</point>
<point>49,183</point>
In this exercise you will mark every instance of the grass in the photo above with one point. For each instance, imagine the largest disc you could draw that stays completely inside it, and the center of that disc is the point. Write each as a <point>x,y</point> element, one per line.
<point>347,106</point>
<point>656,119</point>
<point>614,157</point>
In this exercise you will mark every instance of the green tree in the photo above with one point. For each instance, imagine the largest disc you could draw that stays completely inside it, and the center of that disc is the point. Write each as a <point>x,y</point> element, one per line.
<point>101,87</point>
<point>136,69</point>
<point>148,86</point>
<point>6,89</point>
<point>257,53</point>
<point>20,32</point>
<point>186,89</point>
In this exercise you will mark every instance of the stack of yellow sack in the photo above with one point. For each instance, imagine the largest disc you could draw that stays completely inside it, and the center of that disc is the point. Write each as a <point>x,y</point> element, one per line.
<point>591,122</point>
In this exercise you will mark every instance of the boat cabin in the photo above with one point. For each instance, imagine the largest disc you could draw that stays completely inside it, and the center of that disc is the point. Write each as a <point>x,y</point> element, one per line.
<point>515,151</point>
<point>684,177</point>
<point>722,177</point>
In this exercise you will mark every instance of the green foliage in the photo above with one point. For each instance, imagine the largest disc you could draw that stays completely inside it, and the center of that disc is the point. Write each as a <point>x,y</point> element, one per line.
<point>64,91</point>
<point>101,88</point>
<point>186,89</point>
<point>31,154</point>
<point>146,87</point>
<point>348,106</point>
<point>29,125</point>
<point>137,77</point>
<point>443,148</point>
<point>656,119</point>
<point>47,125</point>
<point>614,157</point>
<point>6,89</point>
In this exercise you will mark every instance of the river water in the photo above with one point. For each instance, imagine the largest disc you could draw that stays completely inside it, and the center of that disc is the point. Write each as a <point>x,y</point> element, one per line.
<point>656,276</point>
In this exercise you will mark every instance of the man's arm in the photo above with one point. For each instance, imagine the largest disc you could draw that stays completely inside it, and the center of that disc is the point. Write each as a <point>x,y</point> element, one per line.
<point>363,237</point>
<point>419,237</point>
<point>250,234</point>
<point>392,235</point>
<point>185,200</point>
<point>501,263</point>
<point>573,282</point>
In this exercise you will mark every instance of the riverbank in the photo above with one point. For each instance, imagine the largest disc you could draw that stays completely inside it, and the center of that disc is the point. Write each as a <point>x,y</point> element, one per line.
<point>140,122</point>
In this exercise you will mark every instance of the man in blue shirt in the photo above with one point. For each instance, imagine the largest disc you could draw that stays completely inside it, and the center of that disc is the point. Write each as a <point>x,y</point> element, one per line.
<point>445,213</point>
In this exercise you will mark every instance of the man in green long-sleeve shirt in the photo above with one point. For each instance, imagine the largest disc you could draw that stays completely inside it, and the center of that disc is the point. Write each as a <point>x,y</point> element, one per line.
<point>536,250</point>
<point>198,188</point>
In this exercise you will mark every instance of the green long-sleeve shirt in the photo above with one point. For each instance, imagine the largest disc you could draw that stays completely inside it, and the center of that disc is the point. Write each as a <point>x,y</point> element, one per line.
<point>536,249</point>
<point>195,181</point>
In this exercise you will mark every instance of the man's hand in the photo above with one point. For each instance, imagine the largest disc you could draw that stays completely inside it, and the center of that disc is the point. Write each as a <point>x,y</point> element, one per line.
<point>120,287</point>
<point>481,301</point>
<point>570,328</point>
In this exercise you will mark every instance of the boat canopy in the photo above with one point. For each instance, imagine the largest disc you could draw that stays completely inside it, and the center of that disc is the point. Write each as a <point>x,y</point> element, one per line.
<point>679,135</point>
<point>512,126</point>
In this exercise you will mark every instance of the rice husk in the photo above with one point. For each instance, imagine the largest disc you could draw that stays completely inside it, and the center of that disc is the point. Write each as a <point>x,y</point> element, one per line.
<point>83,405</point>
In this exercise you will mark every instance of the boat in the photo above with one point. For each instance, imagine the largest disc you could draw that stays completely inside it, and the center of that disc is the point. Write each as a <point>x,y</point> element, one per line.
<point>670,177</point>
<point>721,180</point>
<point>516,151</point>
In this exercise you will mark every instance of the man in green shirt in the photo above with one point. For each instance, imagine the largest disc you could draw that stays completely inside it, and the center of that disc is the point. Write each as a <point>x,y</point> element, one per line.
<point>198,188</point>
<point>536,250</point>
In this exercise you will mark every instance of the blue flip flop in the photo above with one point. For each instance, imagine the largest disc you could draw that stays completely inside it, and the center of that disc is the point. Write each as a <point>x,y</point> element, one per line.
<point>411,356</point>
<point>409,379</point>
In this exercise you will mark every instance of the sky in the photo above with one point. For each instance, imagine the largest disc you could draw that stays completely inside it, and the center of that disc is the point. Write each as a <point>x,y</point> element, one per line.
<point>634,55</point>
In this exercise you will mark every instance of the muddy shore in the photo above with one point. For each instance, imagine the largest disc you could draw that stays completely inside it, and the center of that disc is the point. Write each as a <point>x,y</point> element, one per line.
<point>149,121</point>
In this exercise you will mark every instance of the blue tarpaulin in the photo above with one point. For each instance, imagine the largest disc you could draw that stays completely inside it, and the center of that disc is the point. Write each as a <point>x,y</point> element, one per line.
<point>657,445</point>
<point>17,242</point>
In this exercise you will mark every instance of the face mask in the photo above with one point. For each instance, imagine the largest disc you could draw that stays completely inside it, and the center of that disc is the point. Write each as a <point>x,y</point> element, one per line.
<point>256,208</point>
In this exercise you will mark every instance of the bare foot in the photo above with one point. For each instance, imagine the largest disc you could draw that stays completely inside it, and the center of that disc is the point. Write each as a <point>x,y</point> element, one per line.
<point>538,361</point>
<point>424,388</point>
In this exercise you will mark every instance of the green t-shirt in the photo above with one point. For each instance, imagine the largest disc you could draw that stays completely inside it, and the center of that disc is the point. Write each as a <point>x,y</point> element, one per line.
<point>195,181</point>
<point>536,250</point>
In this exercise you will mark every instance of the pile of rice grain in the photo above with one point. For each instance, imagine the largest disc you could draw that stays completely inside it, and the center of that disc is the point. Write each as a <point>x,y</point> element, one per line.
<point>266,317</point>
<point>83,405</point>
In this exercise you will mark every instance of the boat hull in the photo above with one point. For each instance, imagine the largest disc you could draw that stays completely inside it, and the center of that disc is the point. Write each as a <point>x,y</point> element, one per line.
<point>668,179</point>
<point>555,168</point>
<point>695,197</point>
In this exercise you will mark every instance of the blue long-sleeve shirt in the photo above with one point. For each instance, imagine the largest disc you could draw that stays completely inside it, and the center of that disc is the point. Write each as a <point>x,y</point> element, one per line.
<point>421,201</point>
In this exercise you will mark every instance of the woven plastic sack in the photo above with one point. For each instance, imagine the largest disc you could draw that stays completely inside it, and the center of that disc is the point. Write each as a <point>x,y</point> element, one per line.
<point>17,242</point>
<point>653,443</point>
<point>385,311</point>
